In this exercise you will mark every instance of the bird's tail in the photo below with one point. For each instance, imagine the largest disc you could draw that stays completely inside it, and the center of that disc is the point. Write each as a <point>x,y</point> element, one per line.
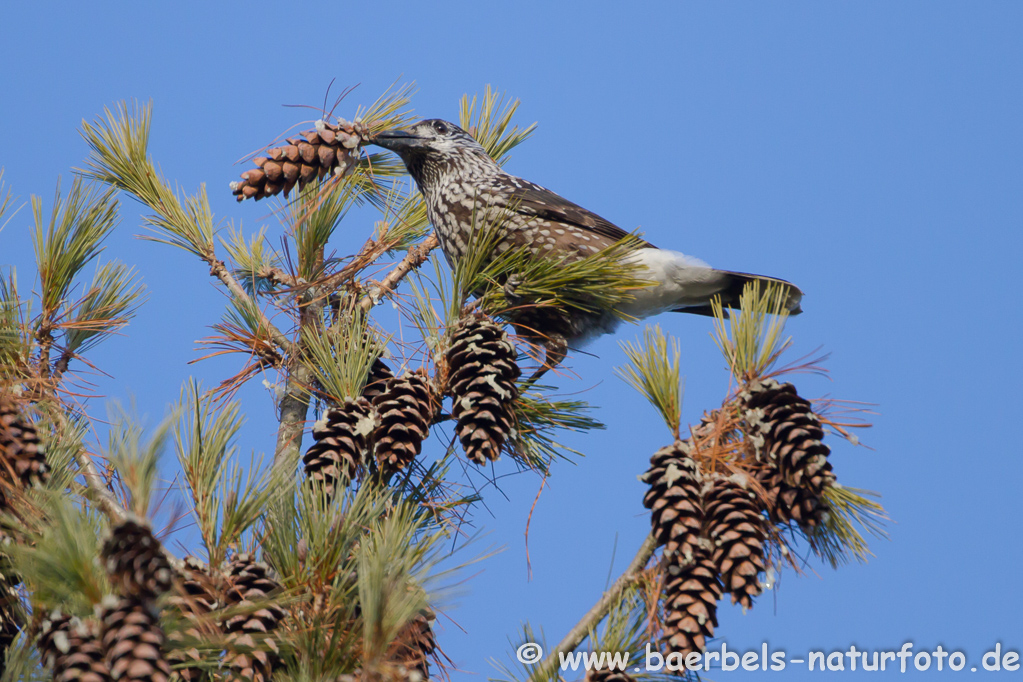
<point>732,285</point>
<point>688,285</point>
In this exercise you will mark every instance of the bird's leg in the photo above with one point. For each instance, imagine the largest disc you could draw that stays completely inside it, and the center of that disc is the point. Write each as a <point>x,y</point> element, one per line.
<point>555,350</point>
<point>511,286</point>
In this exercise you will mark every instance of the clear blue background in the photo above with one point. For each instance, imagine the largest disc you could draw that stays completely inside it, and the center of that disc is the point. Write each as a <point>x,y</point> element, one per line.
<point>872,152</point>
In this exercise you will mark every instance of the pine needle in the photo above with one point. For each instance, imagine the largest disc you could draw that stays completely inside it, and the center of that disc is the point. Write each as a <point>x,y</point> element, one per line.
<point>134,460</point>
<point>120,158</point>
<point>70,238</point>
<point>653,370</point>
<point>839,539</point>
<point>110,302</point>
<point>751,345</point>
<point>491,125</point>
<point>340,357</point>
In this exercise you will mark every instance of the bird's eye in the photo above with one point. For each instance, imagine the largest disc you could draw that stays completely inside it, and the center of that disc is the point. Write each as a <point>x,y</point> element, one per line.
<point>440,127</point>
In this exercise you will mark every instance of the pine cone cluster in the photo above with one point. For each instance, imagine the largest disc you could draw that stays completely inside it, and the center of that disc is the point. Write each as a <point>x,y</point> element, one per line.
<point>674,501</point>
<point>133,640</point>
<point>787,437</point>
<point>312,155</point>
<point>72,650</point>
<point>341,444</point>
<point>735,528</point>
<point>251,650</point>
<point>22,459</point>
<point>405,409</point>
<point>135,560</point>
<point>482,371</point>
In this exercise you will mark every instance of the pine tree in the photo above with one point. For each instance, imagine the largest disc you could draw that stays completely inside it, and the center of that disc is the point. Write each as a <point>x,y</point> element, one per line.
<point>324,561</point>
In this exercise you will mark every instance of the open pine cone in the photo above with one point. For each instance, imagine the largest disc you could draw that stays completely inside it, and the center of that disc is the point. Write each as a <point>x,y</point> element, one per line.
<point>405,409</point>
<point>691,596</point>
<point>22,459</point>
<point>135,560</point>
<point>736,530</point>
<point>252,650</point>
<point>133,640</point>
<point>341,443</point>
<point>482,373</point>
<point>328,149</point>
<point>674,501</point>
<point>788,435</point>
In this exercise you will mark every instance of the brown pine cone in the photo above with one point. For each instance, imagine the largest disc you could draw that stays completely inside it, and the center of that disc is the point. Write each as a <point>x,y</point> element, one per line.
<point>135,560</point>
<point>605,675</point>
<point>674,501</point>
<point>414,645</point>
<point>482,371</point>
<point>72,650</point>
<point>193,599</point>
<point>251,649</point>
<point>379,373</point>
<point>341,444</point>
<point>22,459</point>
<point>405,409</point>
<point>691,595</point>
<point>787,436</point>
<point>328,149</point>
<point>133,640</point>
<point>736,529</point>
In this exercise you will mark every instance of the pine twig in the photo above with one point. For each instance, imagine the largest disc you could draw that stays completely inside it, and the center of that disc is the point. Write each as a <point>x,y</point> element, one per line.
<point>97,489</point>
<point>589,622</point>
<point>415,257</point>
<point>221,272</point>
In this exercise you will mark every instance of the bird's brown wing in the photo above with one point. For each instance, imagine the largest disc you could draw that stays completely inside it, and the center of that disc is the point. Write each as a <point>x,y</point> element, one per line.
<point>530,198</point>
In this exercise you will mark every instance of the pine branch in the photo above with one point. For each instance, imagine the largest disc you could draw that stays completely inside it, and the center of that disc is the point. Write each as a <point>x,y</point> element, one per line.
<point>120,158</point>
<point>415,257</point>
<point>607,601</point>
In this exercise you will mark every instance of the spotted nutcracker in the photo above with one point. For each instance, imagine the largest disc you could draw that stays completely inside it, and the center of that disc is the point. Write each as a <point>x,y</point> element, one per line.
<point>464,187</point>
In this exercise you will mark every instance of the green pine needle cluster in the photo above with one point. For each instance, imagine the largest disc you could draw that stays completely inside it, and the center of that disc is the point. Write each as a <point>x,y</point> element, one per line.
<point>749,341</point>
<point>653,370</point>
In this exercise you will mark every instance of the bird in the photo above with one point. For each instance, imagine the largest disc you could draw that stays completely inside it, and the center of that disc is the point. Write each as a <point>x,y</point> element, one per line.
<point>463,188</point>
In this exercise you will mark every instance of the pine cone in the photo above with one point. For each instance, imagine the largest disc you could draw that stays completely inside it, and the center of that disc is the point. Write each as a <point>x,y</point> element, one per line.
<point>605,675</point>
<point>328,149</point>
<point>22,460</point>
<point>691,595</point>
<point>251,650</point>
<point>133,640</point>
<point>415,644</point>
<point>135,560</point>
<point>787,437</point>
<point>405,409</point>
<point>72,650</point>
<point>675,502</point>
<point>737,531</point>
<point>342,440</point>
<point>12,616</point>
<point>379,373</point>
<point>481,380</point>
<point>194,599</point>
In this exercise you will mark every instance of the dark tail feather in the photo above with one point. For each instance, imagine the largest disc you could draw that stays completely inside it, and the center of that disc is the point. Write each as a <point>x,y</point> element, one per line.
<point>733,284</point>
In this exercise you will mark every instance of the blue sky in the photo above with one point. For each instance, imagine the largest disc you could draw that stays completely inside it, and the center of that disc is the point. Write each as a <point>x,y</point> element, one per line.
<point>871,152</point>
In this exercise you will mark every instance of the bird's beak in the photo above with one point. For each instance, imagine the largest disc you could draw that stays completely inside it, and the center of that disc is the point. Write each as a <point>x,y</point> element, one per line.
<point>397,140</point>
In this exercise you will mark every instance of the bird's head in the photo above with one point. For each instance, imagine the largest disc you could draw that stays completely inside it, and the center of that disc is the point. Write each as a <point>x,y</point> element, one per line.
<point>431,146</point>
